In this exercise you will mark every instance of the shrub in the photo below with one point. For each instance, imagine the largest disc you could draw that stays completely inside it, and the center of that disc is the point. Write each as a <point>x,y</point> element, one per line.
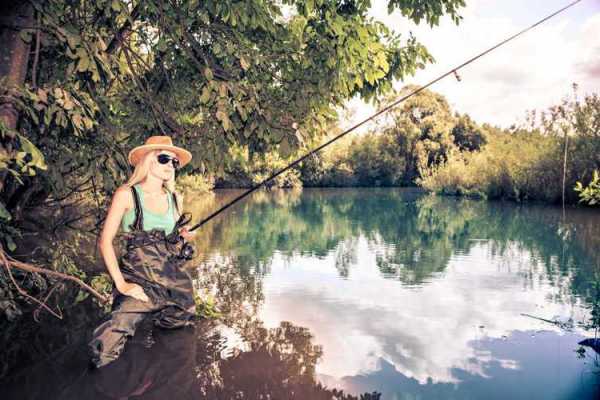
<point>521,166</point>
<point>196,183</point>
<point>591,193</point>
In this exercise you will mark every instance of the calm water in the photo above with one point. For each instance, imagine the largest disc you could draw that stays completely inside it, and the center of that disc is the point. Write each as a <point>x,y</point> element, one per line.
<point>382,292</point>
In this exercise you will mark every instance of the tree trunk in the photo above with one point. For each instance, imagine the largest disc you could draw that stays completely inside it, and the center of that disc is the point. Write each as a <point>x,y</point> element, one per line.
<point>14,57</point>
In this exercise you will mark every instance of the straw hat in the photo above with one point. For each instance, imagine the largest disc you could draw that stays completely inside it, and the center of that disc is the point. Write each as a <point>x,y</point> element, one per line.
<point>159,143</point>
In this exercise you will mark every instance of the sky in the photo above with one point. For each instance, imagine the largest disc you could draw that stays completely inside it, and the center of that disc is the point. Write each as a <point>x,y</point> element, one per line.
<point>367,317</point>
<point>535,71</point>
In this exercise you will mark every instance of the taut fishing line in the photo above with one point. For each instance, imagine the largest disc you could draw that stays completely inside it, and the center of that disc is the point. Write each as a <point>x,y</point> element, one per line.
<point>383,110</point>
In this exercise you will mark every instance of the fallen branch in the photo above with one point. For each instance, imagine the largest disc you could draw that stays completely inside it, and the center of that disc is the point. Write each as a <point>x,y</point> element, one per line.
<point>10,263</point>
<point>24,293</point>
<point>568,326</point>
<point>36,313</point>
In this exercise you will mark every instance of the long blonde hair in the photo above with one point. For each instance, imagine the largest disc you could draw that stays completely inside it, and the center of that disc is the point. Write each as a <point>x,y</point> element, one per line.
<point>142,168</point>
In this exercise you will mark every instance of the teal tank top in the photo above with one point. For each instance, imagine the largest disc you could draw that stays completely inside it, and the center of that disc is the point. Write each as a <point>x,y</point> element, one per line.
<point>151,220</point>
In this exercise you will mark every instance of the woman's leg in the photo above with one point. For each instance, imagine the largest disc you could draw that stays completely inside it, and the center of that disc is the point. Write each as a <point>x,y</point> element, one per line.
<point>109,338</point>
<point>173,317</point>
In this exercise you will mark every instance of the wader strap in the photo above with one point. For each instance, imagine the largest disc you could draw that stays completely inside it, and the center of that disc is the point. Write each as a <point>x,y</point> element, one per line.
<point>138,222</point>
<point>175,202</point>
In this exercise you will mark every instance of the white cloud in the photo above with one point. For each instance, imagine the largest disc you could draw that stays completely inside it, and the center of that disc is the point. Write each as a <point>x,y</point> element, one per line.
<point>425,332</point>
<point>535,70</point>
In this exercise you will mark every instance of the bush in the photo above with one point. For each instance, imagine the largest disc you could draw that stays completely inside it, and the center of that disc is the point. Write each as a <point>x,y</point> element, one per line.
<point>245,171</point>
<point>196,183</point>
<point>521,166</point>
<point>591,193</point>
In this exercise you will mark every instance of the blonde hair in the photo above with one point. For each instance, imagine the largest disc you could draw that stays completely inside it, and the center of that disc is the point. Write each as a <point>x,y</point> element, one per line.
<point>142,168</point>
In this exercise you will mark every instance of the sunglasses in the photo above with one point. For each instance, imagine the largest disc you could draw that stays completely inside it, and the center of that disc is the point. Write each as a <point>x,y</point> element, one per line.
<point>165,158</point>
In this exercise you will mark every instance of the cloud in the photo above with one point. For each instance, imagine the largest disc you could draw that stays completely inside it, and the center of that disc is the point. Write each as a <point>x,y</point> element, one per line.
<point>426,332</point>
<point>534,71</point>
<point>589,67</point>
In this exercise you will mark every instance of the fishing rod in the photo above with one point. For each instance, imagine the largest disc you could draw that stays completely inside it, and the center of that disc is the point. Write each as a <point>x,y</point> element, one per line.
<point>378,113</point>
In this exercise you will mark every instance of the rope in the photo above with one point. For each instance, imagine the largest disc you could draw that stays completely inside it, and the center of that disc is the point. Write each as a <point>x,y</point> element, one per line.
<point>378,113</point>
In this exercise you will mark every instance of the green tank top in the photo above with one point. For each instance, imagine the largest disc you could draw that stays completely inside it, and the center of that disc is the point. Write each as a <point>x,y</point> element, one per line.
<point>165,222</point>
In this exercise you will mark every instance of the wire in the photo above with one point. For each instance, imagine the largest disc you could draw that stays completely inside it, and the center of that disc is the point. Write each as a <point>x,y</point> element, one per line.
<point>378,113</point>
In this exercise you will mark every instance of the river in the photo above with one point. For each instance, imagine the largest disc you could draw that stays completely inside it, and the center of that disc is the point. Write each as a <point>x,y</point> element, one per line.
<point>388,293</point>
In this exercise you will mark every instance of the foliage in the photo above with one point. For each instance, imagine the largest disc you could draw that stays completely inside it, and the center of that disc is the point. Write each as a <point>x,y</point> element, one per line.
<point>263,76</point>
<point>374,161</point>
<point>246,170</point>
<point>591,193</point>
<point>467,135</point>
<point>207,308</point>
<point>422,128</point>
<point>418,135</point>
<point>65,251</point>
<point>527,163</point>
<point>194,183</point>
<point>517,166</point>
<point>103,283</point>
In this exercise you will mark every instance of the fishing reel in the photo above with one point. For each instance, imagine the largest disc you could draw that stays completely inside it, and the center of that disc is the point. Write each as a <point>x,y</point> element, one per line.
<point>186,250</point>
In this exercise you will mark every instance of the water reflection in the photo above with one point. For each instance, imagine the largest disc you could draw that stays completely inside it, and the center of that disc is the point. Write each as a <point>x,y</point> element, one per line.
<point>235,358</point>
<point>189,363</point>
<point>367,291</point>
<point>413,235</point>
<point>417,283</point>
<point>505,372</point>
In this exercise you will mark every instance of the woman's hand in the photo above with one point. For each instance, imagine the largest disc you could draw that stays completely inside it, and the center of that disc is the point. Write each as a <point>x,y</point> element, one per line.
<point>134,290</point>
<point>186,234</point>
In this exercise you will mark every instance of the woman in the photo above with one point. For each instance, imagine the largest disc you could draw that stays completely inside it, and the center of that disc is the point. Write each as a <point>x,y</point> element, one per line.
<point>149,279</point>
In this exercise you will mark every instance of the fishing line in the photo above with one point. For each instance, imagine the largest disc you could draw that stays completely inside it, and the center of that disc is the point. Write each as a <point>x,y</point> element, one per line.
<point>378,113</point>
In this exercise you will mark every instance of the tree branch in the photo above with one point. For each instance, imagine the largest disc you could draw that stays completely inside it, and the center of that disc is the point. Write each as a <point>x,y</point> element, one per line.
<point>123,32</point>
<point>10,262</point>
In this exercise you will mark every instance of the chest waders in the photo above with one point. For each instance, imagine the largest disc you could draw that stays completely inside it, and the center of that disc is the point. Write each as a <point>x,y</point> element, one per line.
<point>153,260</point>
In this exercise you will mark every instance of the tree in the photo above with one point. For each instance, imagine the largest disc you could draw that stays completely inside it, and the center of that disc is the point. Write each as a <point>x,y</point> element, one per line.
<point>104,75</point>
<point>467,135</point>
<point>422,126</point>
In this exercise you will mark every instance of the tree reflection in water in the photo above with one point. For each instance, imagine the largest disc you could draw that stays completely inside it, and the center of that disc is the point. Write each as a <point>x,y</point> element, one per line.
<point>187,364</point>
<point>414,237</point>
<point>202,362</point>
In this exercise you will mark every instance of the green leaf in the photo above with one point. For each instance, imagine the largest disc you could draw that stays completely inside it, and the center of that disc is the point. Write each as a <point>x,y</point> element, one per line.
<point>224,118</point>
<point>83,64</point>
<point>205,97</point>
<point>208,74</point>
<point>4,214</point>
<point>10,243</point>
<point>244,63</point>
<point>25,35</point>
<point>223,90</point>
<point>81,295</point>
<point>115,5</point>
<point>37,158</point>
<point>58,93</point>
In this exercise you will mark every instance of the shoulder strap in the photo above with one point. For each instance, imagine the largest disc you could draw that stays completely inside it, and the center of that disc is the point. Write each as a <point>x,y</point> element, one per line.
<point>138,222</point>
<point>175,203</point>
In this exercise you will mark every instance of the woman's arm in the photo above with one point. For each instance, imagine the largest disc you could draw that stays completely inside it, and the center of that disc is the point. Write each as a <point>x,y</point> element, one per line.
<point>187,235</point>
<point>121,199</point>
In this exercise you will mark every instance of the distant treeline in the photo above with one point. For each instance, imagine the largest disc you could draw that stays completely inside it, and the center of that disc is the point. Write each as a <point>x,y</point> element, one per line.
<point>424,144</point>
